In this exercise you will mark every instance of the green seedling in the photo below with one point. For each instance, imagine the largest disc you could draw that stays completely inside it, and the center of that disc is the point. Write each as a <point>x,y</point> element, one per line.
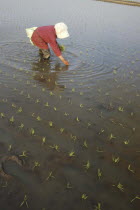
<point>74,138</point>
<point>66,114</point>
<point>56,147</point>
<point>84,196</point>
<point>23,154</point>
<point>32,131</point>
<point>115,159</point>
<point>85,144</point>
<point>28,96</point>
<point>21,93</point>
<point>12,120</point>
<point>19,110</point>
<point>99,173</point>
<point>43,140</point>
<point>81,93</point>
<point>36,164</point>
<point>37,101</point>
<point>62,130</point>
<point>55,109</point>
<point>28,82</point>
<point>98,207</point>
<point>24,202</point>
<point>71,154</point>
<point>50,123</point>
<point>121,109</point>
<point>129,168</point>
<point>98,150</point>
<point>47,104</point>
<point>136,197</point>
<point>43,89</point>
<point>9,147</point>
<point>38,118</point>
<point>73,90</point>
<point>81,105</point>
<point>77,119</point>
<point>101,131</point>
<point>51,93</point>
<point>33,114</point>
<point>126,142</point>
<point>2,115</point>
<point>120,187</point>
<point>50,176</point>
<point>14,105</point>
<point>68,186</point>
<point>62,47</point>
<point>111,136</point>
<point>87,165</point>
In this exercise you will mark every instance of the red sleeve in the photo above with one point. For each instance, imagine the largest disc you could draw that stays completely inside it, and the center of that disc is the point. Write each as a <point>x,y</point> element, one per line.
<point>55,47</point>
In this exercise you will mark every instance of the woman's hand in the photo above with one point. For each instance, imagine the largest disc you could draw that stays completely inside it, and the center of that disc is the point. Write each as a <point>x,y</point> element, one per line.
<point>63,60</point>
<point>66,62</point>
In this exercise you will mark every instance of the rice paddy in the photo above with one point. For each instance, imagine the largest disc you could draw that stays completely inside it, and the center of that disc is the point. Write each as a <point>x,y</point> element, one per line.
<point>69,135</point>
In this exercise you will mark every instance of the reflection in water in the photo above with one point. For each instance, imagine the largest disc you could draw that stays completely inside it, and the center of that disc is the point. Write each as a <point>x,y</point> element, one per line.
<point>49,77</point>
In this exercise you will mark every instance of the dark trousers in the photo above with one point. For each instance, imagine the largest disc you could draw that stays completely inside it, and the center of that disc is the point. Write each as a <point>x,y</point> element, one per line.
<point>44,54</point>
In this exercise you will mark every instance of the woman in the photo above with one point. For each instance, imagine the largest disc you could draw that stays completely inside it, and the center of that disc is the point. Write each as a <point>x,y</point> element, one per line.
<point>44,35</point>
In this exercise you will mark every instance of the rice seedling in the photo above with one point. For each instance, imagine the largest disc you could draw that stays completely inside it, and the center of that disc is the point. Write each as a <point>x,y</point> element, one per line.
<point>66,114</point>
<point>43,140</point>
<point>56,147</point>
<point>21,92</point>
<point>77,119</point>
<point>50,176</point>
<point>81,93</point>
<point>9,147</point>
<point>38,118</point>
<point>136,197</point>
<point>14,105</point>
<point>47,104</point>
<point>24,201</point>
<point>32,131</point>
<point>37,101</point>
<point>81,105</point>
<point>21,126</point>
<point>73,90</point>
<point>55,109</point>
<point>74,138</point>
<point>36,164</point>
<point>2,115</point>
<point>98,207</point>
<point>28,96</point>
<point>23,154</point>
<point>19,110</point>
<point>87,165</point>
<point>101,131</point>
<point>126,142</point>
<point>115,159</point>
<point>12,119</point>
<point>43,89</point>
<point>51,124</point>
<point>120,187</point>
<point>99,173</point>
<point>84,196</point>
<point>98,150</point>
<point>85,144</point>
<point>51,93</point>
<point>71,154</point>
<point>131,170</point>
<point>111,136</point>
<point>68,186</point>
<point>62,130</point>
<point>121,109</point>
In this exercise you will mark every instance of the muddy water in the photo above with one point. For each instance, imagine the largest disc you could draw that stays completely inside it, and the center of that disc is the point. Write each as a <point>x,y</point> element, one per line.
<point>93,105</point>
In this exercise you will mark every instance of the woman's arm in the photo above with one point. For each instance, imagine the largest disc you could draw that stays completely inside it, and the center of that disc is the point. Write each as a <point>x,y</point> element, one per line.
<point>63,60</point>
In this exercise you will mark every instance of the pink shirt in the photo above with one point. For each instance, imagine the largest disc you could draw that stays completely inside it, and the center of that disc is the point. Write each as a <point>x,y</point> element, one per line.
<point>45,35</point>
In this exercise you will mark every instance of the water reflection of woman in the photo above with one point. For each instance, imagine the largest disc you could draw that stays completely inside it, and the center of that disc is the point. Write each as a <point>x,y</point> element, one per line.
<point>46,76</point>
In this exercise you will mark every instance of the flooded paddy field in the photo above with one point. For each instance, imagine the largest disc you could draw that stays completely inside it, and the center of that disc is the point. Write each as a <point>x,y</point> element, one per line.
<point>69,135</point>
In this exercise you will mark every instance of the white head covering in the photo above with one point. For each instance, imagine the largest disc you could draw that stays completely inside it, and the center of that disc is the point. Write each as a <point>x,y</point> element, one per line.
<point>61,30</point>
